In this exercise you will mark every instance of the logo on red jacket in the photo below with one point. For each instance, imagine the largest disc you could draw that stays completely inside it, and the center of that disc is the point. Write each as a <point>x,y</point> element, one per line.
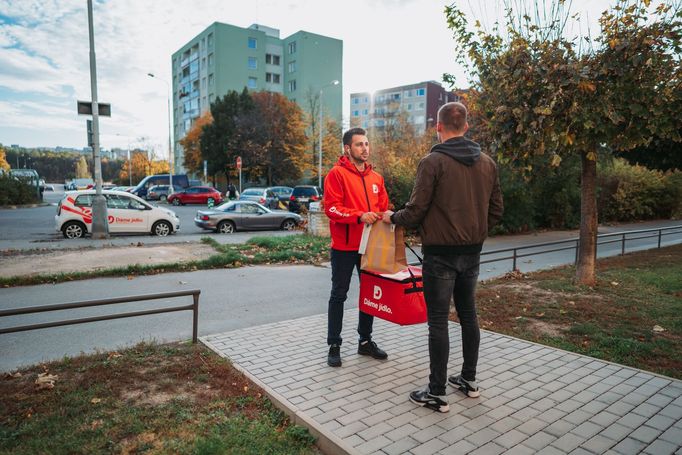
<point>375,188</point>
<point>377,292</point>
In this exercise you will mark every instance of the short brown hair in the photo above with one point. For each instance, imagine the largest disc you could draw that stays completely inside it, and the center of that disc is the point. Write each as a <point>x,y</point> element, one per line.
<point>453,116</point>
<point>348,135</point>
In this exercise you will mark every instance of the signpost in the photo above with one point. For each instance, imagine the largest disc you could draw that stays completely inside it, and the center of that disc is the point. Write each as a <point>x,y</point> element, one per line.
<point>239,168</point>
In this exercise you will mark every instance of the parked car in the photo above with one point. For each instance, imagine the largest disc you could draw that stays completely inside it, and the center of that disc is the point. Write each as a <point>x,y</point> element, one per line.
<point>245,215</point>
<point>180,181</point>
<point>160,192</point>
<point>264,196</point>
<point>196,195</point>
<point>283,193</point>
<point>126,213</point>
<point>302,196</point>
<point>127,189</point>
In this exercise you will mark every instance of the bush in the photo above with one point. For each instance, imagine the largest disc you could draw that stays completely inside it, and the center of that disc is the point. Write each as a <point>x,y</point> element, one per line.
<point>633,192</point>
<point>14,191</point>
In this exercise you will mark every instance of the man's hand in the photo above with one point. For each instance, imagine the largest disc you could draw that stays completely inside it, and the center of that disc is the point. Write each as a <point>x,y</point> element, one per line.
<point>369,218</point>
<point>387,217</point>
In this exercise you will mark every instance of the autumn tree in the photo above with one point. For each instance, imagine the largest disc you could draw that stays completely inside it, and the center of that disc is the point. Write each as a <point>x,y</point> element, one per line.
<point>4,165</point>
<point>280,138</point>
<point>540,92</point>
<point>191,143</point>
<point>230,133</point>
<point>82,170</point>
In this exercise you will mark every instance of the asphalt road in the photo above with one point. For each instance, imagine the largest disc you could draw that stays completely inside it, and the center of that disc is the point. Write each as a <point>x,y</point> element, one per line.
<point>230,299</point>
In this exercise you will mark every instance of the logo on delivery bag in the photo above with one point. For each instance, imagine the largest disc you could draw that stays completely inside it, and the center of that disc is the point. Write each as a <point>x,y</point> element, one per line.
<point>377,292</point>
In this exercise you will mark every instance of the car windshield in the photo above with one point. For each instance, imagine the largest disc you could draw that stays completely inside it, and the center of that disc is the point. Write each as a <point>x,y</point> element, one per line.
<point>226,207</point>
<point>252,192</point>
<point>308,191</point>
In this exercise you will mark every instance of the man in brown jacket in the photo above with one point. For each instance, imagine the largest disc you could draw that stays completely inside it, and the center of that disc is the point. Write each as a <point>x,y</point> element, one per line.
<point>455,200</point>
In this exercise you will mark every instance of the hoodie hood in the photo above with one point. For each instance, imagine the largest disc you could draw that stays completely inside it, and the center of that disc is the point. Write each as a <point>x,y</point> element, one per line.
<point>345,162</point>
<point>460,149</point>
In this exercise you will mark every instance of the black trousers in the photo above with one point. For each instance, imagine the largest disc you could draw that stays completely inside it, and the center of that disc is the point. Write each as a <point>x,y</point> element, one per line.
<point>343,263</point>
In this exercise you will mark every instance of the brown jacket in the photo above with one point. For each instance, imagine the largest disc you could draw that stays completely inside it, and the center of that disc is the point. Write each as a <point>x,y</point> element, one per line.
<point>455,200</point>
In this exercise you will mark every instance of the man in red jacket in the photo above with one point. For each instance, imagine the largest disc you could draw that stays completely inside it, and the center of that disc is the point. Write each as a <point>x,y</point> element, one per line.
<point>354,195</point>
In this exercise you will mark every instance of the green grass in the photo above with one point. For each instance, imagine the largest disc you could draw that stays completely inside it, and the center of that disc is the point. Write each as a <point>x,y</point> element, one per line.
<point>295,249</point>
<point>613,320</point>
<point>186,400</point>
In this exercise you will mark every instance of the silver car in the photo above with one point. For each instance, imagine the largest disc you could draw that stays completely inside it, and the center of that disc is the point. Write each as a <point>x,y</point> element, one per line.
<point>245,216</point>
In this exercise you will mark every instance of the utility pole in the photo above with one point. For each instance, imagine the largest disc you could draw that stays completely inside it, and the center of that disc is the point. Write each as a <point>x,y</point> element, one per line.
<point>100,226</point>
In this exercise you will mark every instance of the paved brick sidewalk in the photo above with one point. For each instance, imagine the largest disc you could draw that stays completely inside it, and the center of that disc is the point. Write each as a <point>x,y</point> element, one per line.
<point>534,399</point>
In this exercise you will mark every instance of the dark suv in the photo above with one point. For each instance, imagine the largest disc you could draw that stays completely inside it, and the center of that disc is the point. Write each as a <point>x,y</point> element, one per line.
<point>302,196</point>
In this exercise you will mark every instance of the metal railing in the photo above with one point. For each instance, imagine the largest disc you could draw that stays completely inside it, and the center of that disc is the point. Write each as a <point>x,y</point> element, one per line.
<point>194,307</point>
<point>622,237</point>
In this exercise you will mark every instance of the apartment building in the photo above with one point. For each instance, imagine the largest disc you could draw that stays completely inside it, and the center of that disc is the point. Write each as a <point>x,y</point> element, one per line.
<point>420,103</point>
<point>225,57</point>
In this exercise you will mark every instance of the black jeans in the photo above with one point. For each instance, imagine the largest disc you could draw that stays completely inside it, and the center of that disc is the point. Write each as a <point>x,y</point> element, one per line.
<point>446,277</point>
<point>343,263</point>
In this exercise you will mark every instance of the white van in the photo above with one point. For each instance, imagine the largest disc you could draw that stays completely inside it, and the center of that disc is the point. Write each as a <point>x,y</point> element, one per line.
<point>126,213</point>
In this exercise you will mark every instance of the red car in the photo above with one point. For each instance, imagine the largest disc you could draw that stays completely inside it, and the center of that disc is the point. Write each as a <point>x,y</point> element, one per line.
<point>196,195</point>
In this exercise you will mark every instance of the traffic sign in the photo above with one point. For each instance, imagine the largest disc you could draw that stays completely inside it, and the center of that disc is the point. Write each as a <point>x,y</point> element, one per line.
<point>85,108</point>
<point>239,162</point>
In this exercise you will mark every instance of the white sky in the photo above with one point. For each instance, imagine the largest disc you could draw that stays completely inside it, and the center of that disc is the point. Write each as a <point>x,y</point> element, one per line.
<point>44,55</point>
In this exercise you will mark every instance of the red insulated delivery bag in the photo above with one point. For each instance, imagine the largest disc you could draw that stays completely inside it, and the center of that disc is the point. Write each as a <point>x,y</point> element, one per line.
<point>397,297</point>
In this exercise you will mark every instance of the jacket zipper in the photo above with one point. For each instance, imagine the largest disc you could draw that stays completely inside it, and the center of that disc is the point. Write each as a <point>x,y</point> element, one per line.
<point>369,207</point>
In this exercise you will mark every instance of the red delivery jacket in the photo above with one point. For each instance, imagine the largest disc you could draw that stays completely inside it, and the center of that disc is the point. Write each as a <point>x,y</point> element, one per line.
<point>348,193</point>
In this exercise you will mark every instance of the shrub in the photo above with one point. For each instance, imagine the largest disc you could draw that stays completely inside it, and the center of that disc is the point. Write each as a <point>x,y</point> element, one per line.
<point>15,191</point>
<point>633,192</point>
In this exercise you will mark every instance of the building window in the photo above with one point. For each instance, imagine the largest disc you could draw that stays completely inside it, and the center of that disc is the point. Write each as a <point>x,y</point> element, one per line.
<point>421,92</point>
<point>356,100</point>
<point>210,40</point>
<point>210,80</point>
<point>356,113</point>
<point>210,60</point>
<point>252,82</point>
<point>253,44</point>
<point>203,63</point>
<point>253,63</point>
<point>395,96</point>
<point>421,105</point>
<point>268,77</point>
<point>409,107</point>
<point>275,60</point>
<point>292,47</point>
<point>292,86</point>
<point>365,112</point>
<point>203,83</point>
<point>210,98</point>
<point>275,78</point>
<point>408,93</point>
<point>292,66</point>
<point>268,59</point>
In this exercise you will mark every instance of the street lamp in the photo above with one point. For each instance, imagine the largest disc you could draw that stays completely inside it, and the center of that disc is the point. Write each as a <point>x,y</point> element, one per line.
<point>319,145</point>
<point>170,152</point>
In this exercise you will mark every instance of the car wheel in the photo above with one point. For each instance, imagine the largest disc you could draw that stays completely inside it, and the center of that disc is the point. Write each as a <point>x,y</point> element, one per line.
<point>225,227</point>
<point>162,228</point>
<point>176,201</point>
<point>163,198</point>
<point>289,225</point>
<point>74,230</point>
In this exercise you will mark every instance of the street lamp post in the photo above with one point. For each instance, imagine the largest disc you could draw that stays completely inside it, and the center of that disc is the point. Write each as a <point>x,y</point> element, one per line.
<point>170,147</point>
<point>319,145</point>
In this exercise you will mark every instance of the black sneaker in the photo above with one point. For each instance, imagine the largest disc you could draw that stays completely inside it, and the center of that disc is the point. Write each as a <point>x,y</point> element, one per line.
<point>424,397</point>
<point>334,356</point>
<point>371,348</point>
<point>469,388</point>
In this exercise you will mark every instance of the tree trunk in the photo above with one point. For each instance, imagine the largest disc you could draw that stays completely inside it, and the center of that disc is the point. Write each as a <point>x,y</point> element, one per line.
<point>587,254</point>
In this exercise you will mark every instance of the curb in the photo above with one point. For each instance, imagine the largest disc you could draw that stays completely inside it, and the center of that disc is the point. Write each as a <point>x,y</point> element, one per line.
<point>24,206</point>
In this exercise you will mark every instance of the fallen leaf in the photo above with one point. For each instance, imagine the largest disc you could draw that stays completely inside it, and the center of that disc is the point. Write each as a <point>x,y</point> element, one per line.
<point>46,380</point>
<point>614,283</point>
<point>96,400</point>
<point>518,317</point>
<point>562,311</point>
<point>246,388</point>
<point>539,314</point>
<point>571,302</point>
<point>96,424</point>
<point>658,328</point>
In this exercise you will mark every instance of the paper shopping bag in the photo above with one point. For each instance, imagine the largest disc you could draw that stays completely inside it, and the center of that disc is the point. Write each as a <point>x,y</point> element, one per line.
<point>383,248</point>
